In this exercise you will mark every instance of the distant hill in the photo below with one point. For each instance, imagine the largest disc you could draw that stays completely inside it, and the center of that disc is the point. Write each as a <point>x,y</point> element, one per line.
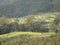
<point>18,8</point>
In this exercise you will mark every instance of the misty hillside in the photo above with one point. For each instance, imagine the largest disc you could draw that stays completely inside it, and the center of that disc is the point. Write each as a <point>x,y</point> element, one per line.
<point>18,8</point>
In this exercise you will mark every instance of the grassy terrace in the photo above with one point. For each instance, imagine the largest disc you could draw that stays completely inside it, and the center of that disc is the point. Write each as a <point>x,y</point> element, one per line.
<point>24,38</point>
<point>13,34</point>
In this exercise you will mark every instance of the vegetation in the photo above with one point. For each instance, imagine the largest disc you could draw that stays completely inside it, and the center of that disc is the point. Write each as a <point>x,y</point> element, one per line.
<point>26,38</point>
<point>41,29</point>
<point>37,23</point>
<point>29,22</point>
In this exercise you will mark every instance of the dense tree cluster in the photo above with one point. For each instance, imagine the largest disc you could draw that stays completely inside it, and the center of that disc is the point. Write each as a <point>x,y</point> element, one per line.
<point>32,24</point>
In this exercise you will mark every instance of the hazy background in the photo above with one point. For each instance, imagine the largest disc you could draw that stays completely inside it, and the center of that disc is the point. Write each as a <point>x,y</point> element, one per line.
<point>18,8</point>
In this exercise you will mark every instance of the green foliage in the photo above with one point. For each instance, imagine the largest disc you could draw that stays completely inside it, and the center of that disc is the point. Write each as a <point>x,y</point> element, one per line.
<point>31,23</point>
<point>0,42</point>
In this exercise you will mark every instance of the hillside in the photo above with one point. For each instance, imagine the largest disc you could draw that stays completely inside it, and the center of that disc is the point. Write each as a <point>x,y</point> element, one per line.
<point>18,8</point>
<point>28,38</point>
<point>41,29</point>
<point>29,22</point>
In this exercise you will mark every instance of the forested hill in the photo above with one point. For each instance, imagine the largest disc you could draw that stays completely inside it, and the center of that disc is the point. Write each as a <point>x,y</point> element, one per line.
<point>18,8</point>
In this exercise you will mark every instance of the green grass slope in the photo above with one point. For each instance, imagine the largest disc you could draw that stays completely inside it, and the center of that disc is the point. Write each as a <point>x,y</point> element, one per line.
<point>27,38</point>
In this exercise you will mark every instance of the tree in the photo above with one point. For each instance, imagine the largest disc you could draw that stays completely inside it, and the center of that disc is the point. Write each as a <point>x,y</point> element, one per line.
<point>4,21</point>
<point>57,19</point>
<point>0,42</point>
